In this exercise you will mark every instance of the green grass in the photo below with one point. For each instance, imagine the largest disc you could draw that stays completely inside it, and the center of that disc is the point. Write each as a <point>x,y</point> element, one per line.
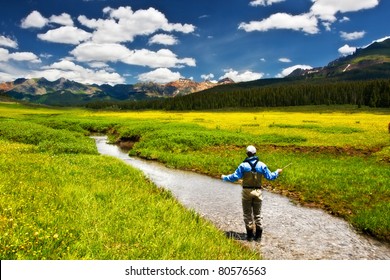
<point>178,137</point>
<point>61,200</point>
<point>332,129</point>
<point>347,185</point>
<point>95,207</point>
<point>352,185</point>
<point>45,138</point>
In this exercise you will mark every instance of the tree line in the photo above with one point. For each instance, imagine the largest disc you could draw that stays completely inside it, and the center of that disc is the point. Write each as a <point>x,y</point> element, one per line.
<point>373,93</point>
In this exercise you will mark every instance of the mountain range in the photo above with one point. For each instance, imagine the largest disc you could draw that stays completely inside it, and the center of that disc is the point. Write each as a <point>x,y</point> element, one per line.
<point>371,62</point>
<point>65,92</point>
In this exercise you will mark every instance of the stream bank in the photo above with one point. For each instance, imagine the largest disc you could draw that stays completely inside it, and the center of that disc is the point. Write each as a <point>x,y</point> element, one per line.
<point>290,232</point>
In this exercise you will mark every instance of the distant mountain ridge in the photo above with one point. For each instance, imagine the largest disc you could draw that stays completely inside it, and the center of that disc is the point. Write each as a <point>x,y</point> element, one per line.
<point>370,61</point>
<point>65,92</point>
<point>42,86</point>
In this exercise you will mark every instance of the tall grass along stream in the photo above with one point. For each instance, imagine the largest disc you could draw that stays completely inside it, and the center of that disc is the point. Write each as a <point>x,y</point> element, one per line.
<point>60,199</point>
<point>290,231</point>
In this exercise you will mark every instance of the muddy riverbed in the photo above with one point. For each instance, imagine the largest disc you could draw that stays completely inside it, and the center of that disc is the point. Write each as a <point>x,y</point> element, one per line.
<point>290,231</point>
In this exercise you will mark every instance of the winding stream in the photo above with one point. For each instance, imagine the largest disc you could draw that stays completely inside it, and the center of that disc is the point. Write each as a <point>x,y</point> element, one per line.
<point>290,231</point>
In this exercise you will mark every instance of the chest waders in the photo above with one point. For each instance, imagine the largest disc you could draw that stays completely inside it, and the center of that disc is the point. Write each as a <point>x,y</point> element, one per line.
<point>251,201</point>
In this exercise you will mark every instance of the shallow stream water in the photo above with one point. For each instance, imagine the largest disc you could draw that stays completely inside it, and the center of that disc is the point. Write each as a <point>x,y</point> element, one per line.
<point>290,231</point>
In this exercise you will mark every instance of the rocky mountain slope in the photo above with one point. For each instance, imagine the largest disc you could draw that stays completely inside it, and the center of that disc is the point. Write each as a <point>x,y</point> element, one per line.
<point>371,61</point>
<point>66,92</point>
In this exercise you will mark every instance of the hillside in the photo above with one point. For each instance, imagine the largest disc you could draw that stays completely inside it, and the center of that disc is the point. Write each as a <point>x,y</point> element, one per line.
<point>372,61</point>
<point>369,63</point>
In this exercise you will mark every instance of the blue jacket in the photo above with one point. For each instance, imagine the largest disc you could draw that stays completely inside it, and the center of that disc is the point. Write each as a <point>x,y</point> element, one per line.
<point>245,167</point>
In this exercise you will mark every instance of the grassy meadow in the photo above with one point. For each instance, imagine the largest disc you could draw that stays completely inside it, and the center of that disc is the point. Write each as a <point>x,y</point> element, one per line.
<point>61,200</point>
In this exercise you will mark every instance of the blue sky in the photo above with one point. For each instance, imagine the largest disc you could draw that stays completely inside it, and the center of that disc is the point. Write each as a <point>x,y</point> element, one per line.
<point>118,41</point>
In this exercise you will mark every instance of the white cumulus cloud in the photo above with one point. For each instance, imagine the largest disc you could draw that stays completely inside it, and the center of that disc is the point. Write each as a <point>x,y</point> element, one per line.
<point>284,60</point>
<point>24,56</point>
<point>244,76</point>
<point>6,77</point>
<point>71,71</point>
<point>160,59</point>
<point>63,19</point>
<point>5,55</point>
<point>345,19</point>
<point>90,51</point>
<point>123,24</point>
<point>65,35</point>
<point>160,75</point>
<point>327,9</point>
<point>100,41</point>
<point>304,22</point>
<point>163,39</point>
<point>7,42</point>
<point>346,50</point>
<point>264,2</point>
<point>34,20</point>
<point>207,77</point>
<point>289,70</point>
<point>352,36</point>
<point>324,11</point>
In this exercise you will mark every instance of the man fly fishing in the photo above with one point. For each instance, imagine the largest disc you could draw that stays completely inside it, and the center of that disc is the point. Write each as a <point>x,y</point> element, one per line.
<point>251,170</point>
